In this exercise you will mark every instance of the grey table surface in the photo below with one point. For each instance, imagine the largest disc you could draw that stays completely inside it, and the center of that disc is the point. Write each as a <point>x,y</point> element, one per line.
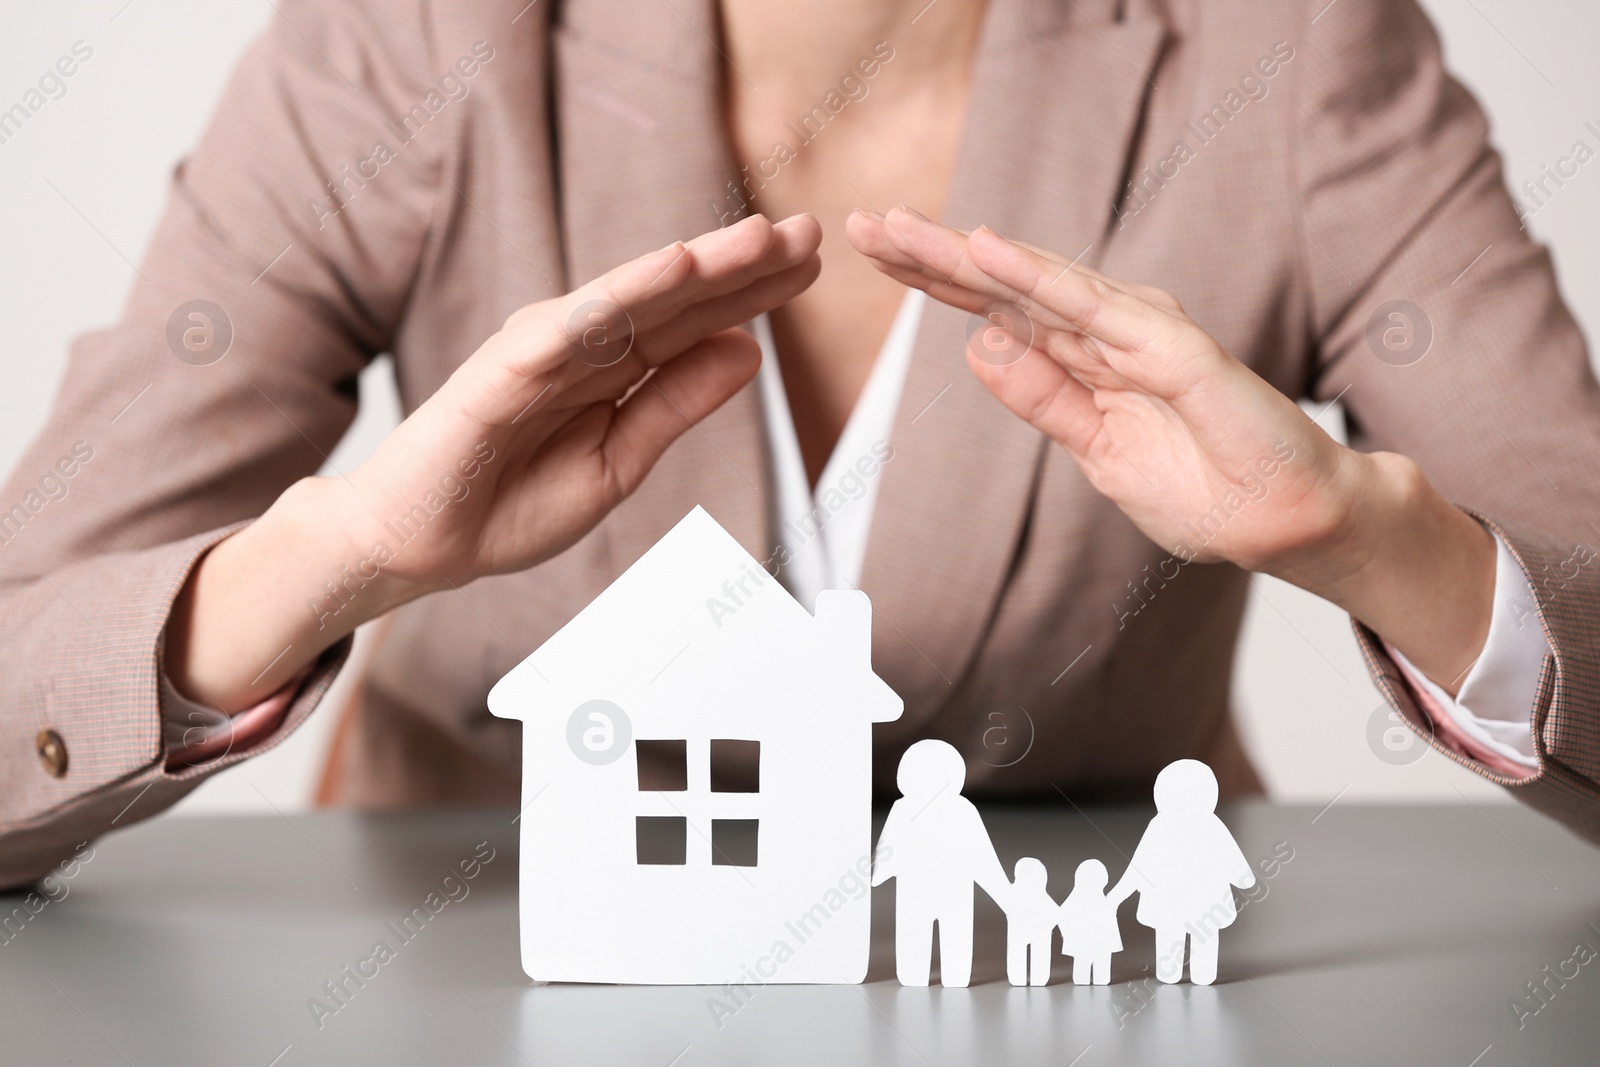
<point>1393,935</point>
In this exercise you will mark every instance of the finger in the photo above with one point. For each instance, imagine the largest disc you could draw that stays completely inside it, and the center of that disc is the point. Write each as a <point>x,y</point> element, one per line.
<point>957,296</point>
<point>723,262</point>
<point>1040,391</point>
<point>645,292</point>
<point>868,234</point>
<point>941,253</point>
<point>909,240</point>
<point>930,252</point>
<point>938,249</point>
<point>922,254</point>
<point>571,388</point>
<point>871,234</point>
<point>1125,324</point>
<point>1155,296</point>
<point>906,241</point>
<point>529,364</point>
<point>676,397</point>
<point>721,313</point>
<point>712,265</point>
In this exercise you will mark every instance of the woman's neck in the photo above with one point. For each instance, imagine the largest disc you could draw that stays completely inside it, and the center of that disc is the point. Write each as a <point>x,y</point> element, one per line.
<point>834,105</point>
<point>785,52</point>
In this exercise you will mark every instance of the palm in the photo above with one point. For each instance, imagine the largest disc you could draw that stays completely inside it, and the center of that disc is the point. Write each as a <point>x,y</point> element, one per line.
<point>1241,494</point>
<point>520,519</point>
<point>548,498</point>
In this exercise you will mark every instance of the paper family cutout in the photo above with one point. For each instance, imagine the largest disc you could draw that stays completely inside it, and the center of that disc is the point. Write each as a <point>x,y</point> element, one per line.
<point>1184,870</point>
<point>696,803</point>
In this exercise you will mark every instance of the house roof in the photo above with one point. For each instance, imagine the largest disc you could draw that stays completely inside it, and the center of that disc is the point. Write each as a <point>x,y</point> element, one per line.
<point>695,593</point>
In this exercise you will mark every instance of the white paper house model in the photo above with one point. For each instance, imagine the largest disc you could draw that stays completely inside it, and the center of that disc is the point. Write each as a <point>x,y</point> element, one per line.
<point>699,659</point>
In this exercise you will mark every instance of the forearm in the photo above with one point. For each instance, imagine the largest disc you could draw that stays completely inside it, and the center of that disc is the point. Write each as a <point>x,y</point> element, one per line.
<point>1408,564</point>
<point>265,603</point>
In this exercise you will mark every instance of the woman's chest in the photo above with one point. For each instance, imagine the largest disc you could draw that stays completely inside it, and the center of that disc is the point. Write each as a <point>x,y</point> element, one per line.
<point>876,153</point>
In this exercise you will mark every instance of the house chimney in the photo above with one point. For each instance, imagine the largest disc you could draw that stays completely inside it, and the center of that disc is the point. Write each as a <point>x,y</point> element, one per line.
<point>846,614</point>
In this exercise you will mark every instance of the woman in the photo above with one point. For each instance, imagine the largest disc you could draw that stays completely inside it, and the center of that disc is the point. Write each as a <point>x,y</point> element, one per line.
<point>1185,869</point>
<point>1061,511</point>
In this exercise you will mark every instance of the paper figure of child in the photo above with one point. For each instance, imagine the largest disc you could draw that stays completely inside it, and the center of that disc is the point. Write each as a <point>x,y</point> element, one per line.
<point>1088,918</point>
<point>1184,871</point>
<point>935,846</point>
<point>1031,918</point>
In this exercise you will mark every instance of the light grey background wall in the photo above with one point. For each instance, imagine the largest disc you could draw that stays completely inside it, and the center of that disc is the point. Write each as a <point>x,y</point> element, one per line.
<point>81,187</point>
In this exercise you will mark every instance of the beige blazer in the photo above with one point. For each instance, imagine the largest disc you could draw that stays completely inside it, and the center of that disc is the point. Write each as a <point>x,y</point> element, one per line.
<point>359,192</point>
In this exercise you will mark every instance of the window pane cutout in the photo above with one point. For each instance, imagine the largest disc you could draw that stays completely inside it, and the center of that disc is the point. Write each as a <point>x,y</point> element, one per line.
<point>733,842</point>
<point>661,839</point>
<point>735,766</point>
<point>663,766</point>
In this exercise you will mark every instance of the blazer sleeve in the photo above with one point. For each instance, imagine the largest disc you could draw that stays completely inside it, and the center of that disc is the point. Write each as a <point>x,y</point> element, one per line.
<point>1439,322</point>
<point>280,267</point>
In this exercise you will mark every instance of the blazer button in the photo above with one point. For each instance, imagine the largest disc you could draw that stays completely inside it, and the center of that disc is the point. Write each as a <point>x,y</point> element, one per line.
<point>52,752</point>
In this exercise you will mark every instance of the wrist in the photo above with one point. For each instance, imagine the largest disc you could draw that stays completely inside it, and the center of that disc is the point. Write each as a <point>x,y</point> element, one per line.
<point>266,602</point>
<point>344,560</point>
<point>1338,529</point>
<point>1372,499</point>
<point>1407,563</point>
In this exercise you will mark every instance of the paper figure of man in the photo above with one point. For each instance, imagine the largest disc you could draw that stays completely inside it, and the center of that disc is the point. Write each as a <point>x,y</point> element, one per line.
<point>935,846</point>
<point>1184,871</point>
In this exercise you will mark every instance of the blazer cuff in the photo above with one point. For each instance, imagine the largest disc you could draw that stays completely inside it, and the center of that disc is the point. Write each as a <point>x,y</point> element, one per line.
<point>195,733</point>
<point>1565,716</point>
<point>90,643</point>
<point>1490,719</point>
<point>1425,715</point>
<point>90,636</point>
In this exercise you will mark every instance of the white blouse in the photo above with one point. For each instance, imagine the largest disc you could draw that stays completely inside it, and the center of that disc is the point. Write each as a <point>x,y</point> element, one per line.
<point>825,530</point>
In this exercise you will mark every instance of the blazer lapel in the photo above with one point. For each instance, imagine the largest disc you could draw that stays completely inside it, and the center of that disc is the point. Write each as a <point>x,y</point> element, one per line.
<point>643,162</point>
<point>1057,92</point>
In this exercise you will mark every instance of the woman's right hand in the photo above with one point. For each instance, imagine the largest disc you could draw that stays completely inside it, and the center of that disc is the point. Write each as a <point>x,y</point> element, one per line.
<point>526,447</point>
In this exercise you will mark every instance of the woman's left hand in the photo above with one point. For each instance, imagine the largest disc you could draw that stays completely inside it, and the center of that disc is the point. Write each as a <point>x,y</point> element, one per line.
<point>1205,456</point>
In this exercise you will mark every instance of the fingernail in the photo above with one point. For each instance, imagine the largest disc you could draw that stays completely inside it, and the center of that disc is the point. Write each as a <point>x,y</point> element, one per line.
<point>869,213</point>
<point>909,210</point>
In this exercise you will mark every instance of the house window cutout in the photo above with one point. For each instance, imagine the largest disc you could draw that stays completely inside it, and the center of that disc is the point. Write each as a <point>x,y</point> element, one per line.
<point>661,839</point>
<point>663,766</point>
<point>735,766</point>
<point>733,842</point>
